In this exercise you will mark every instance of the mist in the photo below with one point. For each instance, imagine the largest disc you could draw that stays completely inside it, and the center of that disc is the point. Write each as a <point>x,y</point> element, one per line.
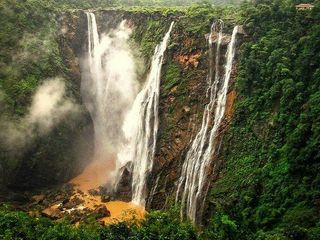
<point>109,87</point>
<point>50,105</point>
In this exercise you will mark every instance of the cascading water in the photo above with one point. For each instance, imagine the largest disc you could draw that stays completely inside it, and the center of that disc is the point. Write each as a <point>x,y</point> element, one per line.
<point>141,126</point>
<point>108,88</point>
<point>196,167</point>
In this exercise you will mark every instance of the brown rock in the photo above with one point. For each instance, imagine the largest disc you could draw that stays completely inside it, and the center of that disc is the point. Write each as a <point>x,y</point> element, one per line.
<point>105,198</point>
<point>186,109</point>
<point>189,60</point>
<point>52,213</point>
<point>38,198</point>
<point>74,202</point>
<point>124,191</point>
<point>59,197</point>
<point>34,214</point>
<point>93,192</point>
<point>80,192</point>
<point>102,212</point>
<point>103,190</point>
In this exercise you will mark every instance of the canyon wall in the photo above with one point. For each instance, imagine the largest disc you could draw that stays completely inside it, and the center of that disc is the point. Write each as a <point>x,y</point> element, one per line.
<point>266,181</point>
<point>182,96</point>
<point>183,86</point>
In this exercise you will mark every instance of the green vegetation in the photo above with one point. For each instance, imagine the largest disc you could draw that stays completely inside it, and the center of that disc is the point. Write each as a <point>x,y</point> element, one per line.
<point>157,225</point>
<point>126,3</point>
<point>29,51</point>
<point>270,187</point>
<point>171,75</point>
<point>30,54</point>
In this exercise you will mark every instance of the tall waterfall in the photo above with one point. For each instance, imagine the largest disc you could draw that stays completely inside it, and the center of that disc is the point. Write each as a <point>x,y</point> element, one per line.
<point>108,87</point>
<point>141,126</point>
<point>192,185</point>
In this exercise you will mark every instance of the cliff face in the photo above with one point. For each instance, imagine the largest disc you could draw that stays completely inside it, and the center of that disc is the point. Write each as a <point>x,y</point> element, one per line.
<point>266,179</point>
<point>183,93</point>
<point>183,87</point>
<point>38,54</point>
<point>270,121</point>
<point>182,106</point>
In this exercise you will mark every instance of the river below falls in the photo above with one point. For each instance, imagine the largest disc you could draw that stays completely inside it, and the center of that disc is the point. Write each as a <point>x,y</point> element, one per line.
<point>92,178</point>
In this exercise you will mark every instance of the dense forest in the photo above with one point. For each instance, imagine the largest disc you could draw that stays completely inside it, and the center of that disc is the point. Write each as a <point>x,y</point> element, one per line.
<point>269,180</point>
<point>115,3</point>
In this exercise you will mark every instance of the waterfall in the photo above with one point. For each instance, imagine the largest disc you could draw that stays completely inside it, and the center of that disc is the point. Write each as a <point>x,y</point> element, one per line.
<point>141,126</point>
<point>196,167</point>
<point>108,88</point>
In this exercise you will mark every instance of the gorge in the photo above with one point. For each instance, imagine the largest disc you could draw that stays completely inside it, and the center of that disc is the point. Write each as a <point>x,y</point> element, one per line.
<point>195,122</point>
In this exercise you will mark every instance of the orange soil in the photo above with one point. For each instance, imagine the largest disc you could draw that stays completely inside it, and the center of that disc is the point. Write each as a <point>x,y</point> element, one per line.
<point>189,60</point>
<point>230,104</point>
<point>93,177</point>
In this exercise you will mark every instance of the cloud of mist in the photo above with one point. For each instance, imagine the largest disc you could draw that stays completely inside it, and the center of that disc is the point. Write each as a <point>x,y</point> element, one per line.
<point>50,105</point>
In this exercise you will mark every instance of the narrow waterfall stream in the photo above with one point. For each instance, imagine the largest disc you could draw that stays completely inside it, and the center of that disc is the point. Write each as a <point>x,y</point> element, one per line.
<point>141,126</point>
<point>191,190</point>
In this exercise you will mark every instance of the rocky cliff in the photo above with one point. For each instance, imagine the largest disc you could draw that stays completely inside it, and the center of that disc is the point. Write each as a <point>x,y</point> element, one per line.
<point>183,86</point>
<point>183,94</point>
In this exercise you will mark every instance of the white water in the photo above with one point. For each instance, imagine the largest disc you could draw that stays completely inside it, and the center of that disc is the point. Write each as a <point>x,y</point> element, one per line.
<point>141,126</point>
<point>196,167</point>
<point>108,87</point>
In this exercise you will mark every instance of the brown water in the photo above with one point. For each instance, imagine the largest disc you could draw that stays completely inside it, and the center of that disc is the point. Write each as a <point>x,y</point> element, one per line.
<point>93,177</point>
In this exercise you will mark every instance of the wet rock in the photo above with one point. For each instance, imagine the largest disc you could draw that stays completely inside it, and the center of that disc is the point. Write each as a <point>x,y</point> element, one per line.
<point>105,198</point>
<point>69,205</point>
<point>124,191</point>
<point>94,192</point>
<point>186,109</point>
<point>178,141</point>
<point>173,90</point>
<point>34,214</point>
<point>101,222</point>
<point>67,188</point>
<point>52,213</point>
<point>76,216</point>
<point>60,198</point>
<point>38,198</point>
<point>103,190</point>
<point>102,212</point>
<point>189,60</point>
<point>72,203</point>
<point>80,192</point>
<point>60,207</point>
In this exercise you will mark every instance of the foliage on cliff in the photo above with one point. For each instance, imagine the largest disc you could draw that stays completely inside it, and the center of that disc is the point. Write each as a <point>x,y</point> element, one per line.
<point>269,187</point>
<point>30,54</point>
<point>84,4</point>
